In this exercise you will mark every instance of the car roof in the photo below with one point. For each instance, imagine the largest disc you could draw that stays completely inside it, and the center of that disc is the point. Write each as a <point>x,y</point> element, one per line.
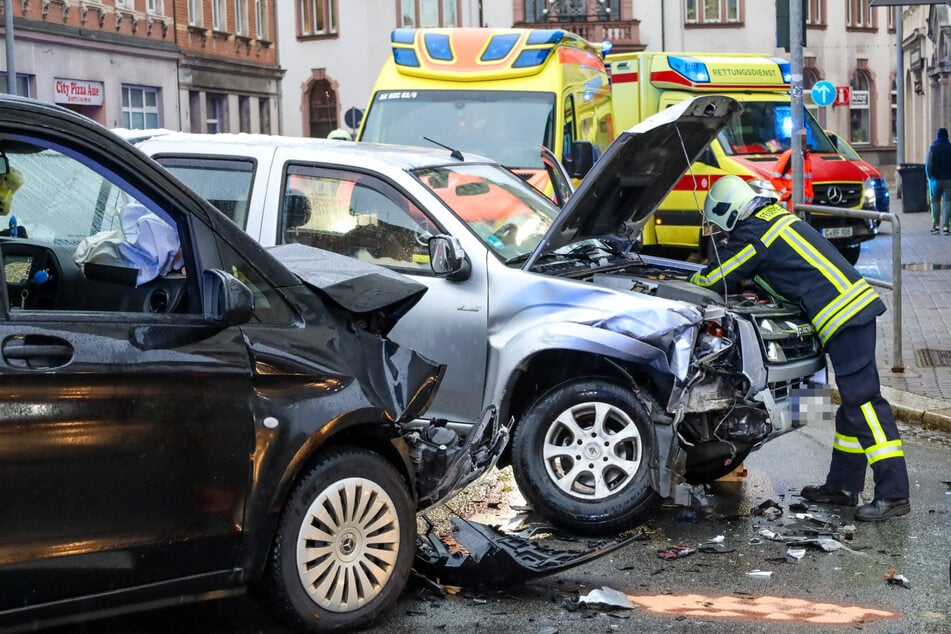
<point>345,152</point>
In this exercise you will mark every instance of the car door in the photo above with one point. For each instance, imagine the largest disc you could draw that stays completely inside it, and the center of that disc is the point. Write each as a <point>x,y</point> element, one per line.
<point>368,217</point>
<point>125,430</point>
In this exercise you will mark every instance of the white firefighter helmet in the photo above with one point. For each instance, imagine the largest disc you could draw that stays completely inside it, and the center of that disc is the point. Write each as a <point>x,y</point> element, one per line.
<point>726,200</point>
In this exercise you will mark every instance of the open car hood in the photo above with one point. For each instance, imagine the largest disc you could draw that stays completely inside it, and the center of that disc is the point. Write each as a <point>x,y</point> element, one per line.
<point>635,173</point>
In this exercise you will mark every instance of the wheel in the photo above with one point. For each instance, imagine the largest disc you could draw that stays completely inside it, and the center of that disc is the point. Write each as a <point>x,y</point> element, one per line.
<point>345,544</point>
<point>581,454</point>
<point>852,253</point>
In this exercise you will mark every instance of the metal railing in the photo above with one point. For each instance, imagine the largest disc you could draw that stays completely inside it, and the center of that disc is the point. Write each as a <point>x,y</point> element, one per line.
<point>895,284</point>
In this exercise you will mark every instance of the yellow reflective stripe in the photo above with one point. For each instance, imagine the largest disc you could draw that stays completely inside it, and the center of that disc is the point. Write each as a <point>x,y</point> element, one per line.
<point>871,419</point>
<point>841,302</point>
<point>848,444</point>
<point>724,269</point>
<point>769,289</point>
<point>884,451</point>
<point>842,318</point>
<point>811,255</point>
<point>773,232</point>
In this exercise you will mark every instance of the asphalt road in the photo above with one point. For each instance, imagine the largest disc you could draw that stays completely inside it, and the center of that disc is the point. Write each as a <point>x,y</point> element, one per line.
<point>845,589</point>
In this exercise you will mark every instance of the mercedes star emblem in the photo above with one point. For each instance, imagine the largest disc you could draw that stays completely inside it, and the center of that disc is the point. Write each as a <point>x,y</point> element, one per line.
<point>835,195</point>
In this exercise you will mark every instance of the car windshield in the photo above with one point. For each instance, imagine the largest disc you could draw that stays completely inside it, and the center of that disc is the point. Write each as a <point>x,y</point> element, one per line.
<point>507,127</point>
<point>765,127</point>
<point>508,215</point>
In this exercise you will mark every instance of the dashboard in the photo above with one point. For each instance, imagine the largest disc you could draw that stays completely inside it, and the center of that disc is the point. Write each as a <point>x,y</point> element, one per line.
<point>43,276</point>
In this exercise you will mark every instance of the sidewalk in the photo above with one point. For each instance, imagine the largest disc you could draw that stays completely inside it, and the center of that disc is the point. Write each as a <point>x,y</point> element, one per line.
<point>922,393</point>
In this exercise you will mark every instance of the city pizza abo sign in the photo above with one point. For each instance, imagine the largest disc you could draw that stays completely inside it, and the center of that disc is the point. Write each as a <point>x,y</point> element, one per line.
<point>76,91</point>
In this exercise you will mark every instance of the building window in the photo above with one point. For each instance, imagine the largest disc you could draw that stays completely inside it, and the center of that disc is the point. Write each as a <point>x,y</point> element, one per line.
<point>244,113</point>
<point>241,17</point>
<point>891,17</point>
<point>426,13</point>
<point>140,108</point>
<point>194,12</point>
<point>859,15</point>
<point>264,115</point>
<point>815,12</point>
<point>217,15</point>
<point>894,100</point>
<point>713,11</point>
<point>23,84</point>
<point>216,113</point>
<point>260,10</point>
<point>155,7</point>
<point>125,4</point>
<point>317,17</point>
<point>194,110</point>
<point>860,118</point>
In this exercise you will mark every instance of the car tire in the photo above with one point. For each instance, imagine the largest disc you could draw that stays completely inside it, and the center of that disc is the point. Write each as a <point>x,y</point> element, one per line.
<point>603,484</point>
<point>345,544</point>
<point>852,253</point>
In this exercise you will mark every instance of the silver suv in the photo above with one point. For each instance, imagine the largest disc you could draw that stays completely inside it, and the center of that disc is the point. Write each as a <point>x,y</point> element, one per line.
<point>623,380</point>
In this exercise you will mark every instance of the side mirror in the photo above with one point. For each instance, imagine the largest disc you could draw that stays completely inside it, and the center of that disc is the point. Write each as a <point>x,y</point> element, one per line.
<point>448,259</point>
<point>226,300</point>
<point>582,159</point>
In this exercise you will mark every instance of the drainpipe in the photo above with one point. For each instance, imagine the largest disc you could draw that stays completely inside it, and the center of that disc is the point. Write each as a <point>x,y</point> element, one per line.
<point>8,26</point>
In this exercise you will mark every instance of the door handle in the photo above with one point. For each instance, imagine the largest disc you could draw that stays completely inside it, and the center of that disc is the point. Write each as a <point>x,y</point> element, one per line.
<point>36,352</point>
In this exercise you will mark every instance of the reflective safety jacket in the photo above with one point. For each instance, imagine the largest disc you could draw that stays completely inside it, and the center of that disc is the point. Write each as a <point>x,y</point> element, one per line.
<point>789,258</point>
<point>781,178</point>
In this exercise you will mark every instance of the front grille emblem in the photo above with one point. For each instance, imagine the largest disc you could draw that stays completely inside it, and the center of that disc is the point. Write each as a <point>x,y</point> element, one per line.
<point>835,195</point>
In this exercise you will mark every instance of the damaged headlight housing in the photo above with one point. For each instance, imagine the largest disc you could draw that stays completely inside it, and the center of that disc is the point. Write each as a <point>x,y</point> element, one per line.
<point>714,339</point>
<point>787,340</point>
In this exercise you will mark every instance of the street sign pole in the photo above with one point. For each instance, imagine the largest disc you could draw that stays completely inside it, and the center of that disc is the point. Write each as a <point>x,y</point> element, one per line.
<point>797,140</point>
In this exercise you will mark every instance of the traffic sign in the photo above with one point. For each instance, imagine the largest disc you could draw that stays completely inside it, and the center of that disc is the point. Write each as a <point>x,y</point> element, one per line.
<point>843,96</point>
<point>352,117</point>
<point>823,93</point>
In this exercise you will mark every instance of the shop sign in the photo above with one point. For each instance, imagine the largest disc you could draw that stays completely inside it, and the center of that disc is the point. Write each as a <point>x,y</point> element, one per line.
<point>78,92</point>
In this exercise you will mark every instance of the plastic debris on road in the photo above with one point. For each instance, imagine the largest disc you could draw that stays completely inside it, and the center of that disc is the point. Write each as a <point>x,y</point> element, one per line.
<point>895,579</point>
<point>607,597</point>
<point>675,552</point>
<point>760,574</point>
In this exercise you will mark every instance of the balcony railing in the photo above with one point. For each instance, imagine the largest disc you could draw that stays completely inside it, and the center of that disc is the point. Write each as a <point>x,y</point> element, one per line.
<point>623,34</point>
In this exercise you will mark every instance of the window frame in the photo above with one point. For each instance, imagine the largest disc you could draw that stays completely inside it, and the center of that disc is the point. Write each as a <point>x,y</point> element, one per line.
<point>417,11</point>
<point>859,16</point>
<point>862,87</point>
<point>723,10</point>
<point>130,110</point>
<point>241,17</point>
<point>218,17</point>
<point>260,19</point>
<point>307,10</point>
<point>195,14</point>
<point>815,11</point>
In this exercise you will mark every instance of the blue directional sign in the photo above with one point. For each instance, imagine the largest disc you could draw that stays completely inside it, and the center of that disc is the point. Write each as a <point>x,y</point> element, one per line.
<point>823,93</point>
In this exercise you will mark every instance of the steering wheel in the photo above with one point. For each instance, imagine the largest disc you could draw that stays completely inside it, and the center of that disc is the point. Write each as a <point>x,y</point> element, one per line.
<point>506,233</point>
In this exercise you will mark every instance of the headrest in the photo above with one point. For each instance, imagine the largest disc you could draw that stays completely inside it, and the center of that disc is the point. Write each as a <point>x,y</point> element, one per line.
<point>296,209</point>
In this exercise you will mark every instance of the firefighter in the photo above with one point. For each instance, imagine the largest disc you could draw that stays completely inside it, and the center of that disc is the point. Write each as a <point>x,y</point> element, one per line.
<point>782,178</point>
<point>786,256</point>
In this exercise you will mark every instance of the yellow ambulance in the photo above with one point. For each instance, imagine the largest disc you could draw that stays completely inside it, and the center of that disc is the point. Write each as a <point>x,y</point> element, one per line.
<point>647,82</point>
<point>501,93</point>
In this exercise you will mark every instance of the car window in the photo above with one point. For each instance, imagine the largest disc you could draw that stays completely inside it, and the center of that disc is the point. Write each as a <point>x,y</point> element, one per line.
<point>78,237</point>
<point>356,215</point>
<point>224,182</point>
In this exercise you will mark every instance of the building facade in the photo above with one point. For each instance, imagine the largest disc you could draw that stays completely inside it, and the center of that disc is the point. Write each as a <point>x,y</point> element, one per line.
<point>151,63</point>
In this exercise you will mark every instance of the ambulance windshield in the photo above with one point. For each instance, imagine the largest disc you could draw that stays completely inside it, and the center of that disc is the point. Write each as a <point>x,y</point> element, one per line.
<point>507,127</point>
<point>765,127</point>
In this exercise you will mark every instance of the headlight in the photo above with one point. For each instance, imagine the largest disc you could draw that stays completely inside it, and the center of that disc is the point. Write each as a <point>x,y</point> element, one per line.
<point>775,354</point>
<point>868,200</point>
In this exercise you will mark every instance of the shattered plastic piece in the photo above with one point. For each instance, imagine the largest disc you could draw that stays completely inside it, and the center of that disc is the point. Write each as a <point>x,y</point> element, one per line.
<point>769,509</point>
<point>770,535</point>
<point>894,579</point>
<point>675,552</point>
<point>827,544</point>
<point>796,553</point>
<point>798,507</point>
<point>607,597</point>
<point>715,548</point>
<point>765,574</point>
<point>755,541</point>
<point>490,559</point>
<point>717,540</point>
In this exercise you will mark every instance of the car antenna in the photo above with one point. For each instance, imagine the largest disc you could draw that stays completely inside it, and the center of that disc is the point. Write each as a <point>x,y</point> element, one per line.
<point>453,152</point>
<point>696,200</point>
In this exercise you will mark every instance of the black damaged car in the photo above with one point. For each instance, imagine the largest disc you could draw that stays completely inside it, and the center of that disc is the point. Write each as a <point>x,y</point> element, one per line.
<point>184,417</point>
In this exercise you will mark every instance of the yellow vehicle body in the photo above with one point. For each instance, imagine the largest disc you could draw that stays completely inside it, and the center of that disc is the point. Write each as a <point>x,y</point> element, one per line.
<point>501,93</point>
<point>645,83</point>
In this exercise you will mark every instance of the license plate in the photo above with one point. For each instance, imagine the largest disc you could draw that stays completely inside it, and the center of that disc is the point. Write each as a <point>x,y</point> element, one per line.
<point>837,232</point>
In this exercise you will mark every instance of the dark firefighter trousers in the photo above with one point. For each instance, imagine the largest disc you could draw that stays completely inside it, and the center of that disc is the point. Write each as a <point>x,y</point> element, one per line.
<point>865,430</point>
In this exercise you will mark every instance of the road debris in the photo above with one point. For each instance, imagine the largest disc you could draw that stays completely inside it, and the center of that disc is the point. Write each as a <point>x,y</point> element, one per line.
<point>760,574</point>
<point>769,509</point>
<point>606,597</point>
<point>894,579</point>
<point>796,553</point>
<point>482,557</point>
<point>676,552</point>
